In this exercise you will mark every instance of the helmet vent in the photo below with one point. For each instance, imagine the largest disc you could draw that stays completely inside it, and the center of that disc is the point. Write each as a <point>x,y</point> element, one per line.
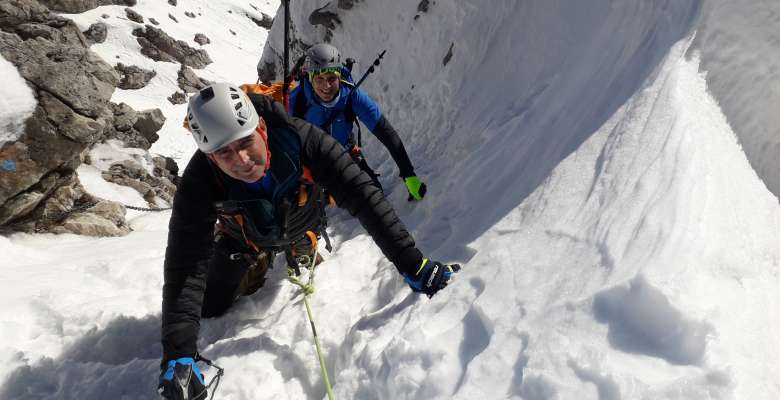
<point>207,94</point>
<point>238,106</point>
<point>205,139</point>
<point>240,121</point>
<point>234,96</point>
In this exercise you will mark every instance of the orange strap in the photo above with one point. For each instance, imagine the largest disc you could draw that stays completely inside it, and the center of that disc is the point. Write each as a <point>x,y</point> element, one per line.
<point>313,238</point>
<point>303,195</point>
<point>240,219</point>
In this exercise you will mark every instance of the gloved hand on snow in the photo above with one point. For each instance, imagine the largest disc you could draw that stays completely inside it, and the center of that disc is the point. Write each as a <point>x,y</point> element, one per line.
<point>182,380</point>
<point>431,277</point>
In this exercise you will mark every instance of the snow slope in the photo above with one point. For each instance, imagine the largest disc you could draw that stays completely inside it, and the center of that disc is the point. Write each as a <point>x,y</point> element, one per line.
<point>617,243</point>
<point>740,50</point>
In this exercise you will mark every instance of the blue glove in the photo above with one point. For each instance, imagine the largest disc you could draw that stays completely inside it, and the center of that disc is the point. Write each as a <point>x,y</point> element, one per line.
<point>431,277</point>
<point>182,380</point>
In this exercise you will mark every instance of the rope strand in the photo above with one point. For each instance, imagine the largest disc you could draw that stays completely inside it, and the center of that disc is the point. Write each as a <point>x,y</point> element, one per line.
<point>308,290</point>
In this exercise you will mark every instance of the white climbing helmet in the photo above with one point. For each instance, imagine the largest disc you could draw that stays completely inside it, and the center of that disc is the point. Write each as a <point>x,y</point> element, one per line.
<point>220,114</point>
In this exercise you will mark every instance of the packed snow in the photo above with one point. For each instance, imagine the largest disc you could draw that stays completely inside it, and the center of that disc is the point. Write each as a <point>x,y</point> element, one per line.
<point>15,107</point>
<point>616,242</point>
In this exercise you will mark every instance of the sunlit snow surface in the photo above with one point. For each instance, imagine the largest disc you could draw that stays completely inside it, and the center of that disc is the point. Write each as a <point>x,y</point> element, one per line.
<point>617,244</point>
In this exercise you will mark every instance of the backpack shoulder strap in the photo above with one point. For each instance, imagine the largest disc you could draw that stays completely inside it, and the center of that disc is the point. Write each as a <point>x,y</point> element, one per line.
<point>301,105</point>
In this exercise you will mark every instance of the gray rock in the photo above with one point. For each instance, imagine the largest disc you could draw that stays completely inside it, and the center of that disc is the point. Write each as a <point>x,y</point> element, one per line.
<point>73,87</point>
<point>201,39</point>
<point>124,117</point>
<point>188,81</point>
<point>154,21</point>
<point>80,6</point>
<point>265,22</point>
<point>20,205</point>
<point>448,56</point>
<point>99,218</point>
<point>321,16</point>
<point>173,18</point>
<point>62,200</point>
<point>266,71</point>
<point>130,173</point>
<point>157,45</point>
<point>133,77</point>
<point>61,205</point>
<point>15,12</point>
<point>172,2</point>
<point>65,76</point>
<point>189,14</point>
<point>178,98</point>
<point>75,75</point>
<point>166,167</point>
<point>126,123</point>
<point>33,30</point>
<point>423,6</point>
<point>74,126</point>
<point>134,16</point>
<point>346,4</point>
<point>97,32</point>
<point>149,122</point>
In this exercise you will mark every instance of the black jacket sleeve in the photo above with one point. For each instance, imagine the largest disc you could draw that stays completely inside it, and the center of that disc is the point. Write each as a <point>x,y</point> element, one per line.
<point>333,168</point>
<point>190,245</point>
<point>390,139</point>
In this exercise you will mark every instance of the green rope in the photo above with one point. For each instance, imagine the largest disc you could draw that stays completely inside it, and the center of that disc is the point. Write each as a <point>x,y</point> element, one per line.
<point>308,290</point>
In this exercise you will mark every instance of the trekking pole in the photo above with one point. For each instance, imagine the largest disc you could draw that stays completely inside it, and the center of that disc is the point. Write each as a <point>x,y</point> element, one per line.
<point>308,289</point>
<point>368,72</point>
<point>286,87</point>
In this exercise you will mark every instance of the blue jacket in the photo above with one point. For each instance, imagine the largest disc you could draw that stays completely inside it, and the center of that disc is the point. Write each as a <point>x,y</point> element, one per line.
<point>363,106</point>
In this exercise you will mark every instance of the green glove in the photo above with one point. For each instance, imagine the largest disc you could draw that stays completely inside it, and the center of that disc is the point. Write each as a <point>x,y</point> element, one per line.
<point>415,187</point>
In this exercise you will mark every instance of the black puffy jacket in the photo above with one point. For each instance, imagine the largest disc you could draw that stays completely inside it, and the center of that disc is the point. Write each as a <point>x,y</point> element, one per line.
<point>191,228</point>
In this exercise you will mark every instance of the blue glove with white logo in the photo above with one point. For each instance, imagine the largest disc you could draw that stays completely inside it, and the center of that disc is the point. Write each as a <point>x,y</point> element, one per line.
<point>431,277</point>
<point>182,380</point>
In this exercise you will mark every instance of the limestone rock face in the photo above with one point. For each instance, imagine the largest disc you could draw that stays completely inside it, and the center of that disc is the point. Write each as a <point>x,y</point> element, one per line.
<point>71,84</point>
<point>39,188</point>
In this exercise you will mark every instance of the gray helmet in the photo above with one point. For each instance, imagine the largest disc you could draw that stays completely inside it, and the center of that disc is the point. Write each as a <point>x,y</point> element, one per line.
<point>322,56</point>
<point>219,114</point>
